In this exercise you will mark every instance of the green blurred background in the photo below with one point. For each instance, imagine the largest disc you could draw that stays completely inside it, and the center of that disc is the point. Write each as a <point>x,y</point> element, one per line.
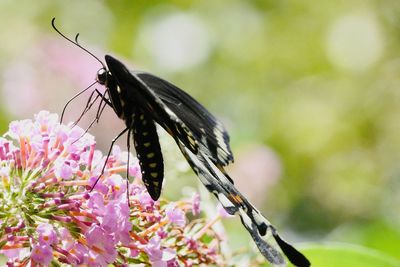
<point>308,90</point>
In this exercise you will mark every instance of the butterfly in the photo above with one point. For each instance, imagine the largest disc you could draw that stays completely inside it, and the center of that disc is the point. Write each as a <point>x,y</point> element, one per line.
<point>143,100</point>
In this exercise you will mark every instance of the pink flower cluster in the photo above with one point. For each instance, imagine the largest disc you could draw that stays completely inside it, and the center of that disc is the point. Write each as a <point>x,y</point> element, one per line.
<point>50,215</point>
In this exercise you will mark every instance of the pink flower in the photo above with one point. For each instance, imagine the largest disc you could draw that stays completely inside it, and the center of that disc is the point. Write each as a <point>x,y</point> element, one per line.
<point>116,220</point>
<point>191,243</point>
<point>162,233</point>
<point>42,253</point>
<point>20,128</point>
<point>65,221</point>
<point>134,252</point>
<point>145,200</point>
<point>66,238</point>
<point>159,256</point>
<point>94,259</point>
<point>196,204</point>
<point>102,242</point>
<point>173,263</point>
<point>14,254</point>
<point>100,186</point>
<point>77,253</point>
<point>134,169</point>
<point>118,185</point>
<point>46,120</point>
<point>47,235</point>
<point>63,169</point>
<point>175,215</point>
<point>96,203</point>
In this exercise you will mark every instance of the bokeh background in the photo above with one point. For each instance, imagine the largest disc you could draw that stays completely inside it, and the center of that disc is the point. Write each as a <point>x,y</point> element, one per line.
<point>308,90</point>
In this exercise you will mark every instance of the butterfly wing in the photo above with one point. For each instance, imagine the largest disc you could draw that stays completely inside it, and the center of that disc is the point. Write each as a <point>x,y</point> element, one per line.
<point>208,165</point>
<point>207,130</point>
<point>205,144</point>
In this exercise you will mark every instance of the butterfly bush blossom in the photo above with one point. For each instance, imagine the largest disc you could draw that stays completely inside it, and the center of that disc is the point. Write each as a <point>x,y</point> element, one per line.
<point>50,216</point>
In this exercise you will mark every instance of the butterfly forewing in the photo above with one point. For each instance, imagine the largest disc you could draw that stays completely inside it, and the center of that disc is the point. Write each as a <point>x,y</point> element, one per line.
<point>206,129</point>
<point>137,93</point>
<point>148,151</point>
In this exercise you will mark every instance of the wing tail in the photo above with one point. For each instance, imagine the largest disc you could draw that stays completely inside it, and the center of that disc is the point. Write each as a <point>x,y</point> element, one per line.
<point>264,234</point>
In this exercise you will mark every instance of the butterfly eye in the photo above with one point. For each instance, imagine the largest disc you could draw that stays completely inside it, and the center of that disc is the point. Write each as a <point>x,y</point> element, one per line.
<point>102,76</point>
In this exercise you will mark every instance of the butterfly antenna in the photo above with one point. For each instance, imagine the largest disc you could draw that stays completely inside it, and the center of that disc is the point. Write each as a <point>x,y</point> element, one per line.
<point>75,42</point>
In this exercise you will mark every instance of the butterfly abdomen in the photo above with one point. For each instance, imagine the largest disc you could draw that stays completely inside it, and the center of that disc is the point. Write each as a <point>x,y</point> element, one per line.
<point>148,151</point>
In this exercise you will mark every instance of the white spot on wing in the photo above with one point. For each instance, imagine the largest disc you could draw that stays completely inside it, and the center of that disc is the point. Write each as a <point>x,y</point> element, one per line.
<point>246,218</point>
<point>222,150</point>
<point>225,201</point>
<point>259,218</point>
<point>220,175</point>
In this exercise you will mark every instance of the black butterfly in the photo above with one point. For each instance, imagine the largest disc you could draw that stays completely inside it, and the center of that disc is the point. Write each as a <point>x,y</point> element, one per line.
<point>141,100</point>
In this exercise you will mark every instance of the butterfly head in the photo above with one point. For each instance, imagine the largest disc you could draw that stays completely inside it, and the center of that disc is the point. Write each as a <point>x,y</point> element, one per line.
<point>102,76</point>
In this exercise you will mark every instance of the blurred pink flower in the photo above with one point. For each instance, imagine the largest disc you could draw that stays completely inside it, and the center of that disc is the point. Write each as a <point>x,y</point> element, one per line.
<point>196,204</point>
<point>175,215</point>
<point>256,170</point>
<point>159,256</point>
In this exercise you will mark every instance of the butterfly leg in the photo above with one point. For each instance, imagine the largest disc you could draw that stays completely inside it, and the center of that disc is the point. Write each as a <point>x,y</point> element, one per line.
<point>88,106</point>
<point>75,96</point>
<point>99,112</point>
<point>104,98</point>
<point>104,101</point>
<point>108,155</point>
<point>128,145</point>
<point>90,103</point>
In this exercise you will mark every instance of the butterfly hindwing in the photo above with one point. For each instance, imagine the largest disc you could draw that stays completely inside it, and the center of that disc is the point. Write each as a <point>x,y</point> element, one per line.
<point>149,153</point>
<point>264,234</point>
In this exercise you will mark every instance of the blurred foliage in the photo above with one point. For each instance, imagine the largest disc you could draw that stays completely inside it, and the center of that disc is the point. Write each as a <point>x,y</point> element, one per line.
<point>333,255</point>
<point>316,82</point>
